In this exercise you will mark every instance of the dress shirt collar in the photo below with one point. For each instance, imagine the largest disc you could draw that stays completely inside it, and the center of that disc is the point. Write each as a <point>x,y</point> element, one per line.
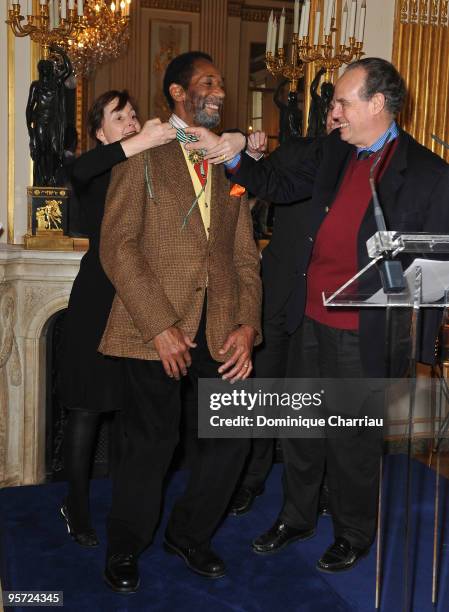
<point>390,134</point>
<point>177,122</point>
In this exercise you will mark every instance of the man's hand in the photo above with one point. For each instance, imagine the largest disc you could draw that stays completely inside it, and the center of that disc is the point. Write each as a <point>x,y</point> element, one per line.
<point>228,146</point>
<point>239,365</point>
<point>219,148</point>
<point>257,144</point>
<point>173,346</point>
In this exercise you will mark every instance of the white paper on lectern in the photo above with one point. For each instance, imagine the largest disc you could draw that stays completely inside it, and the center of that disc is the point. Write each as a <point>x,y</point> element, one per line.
<point>435,281</point>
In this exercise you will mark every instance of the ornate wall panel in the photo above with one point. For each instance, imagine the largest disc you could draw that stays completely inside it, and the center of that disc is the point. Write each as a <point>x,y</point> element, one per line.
<point>421,52</point>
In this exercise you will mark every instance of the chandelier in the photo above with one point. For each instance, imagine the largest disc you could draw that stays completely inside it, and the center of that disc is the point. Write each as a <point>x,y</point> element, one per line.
<point>103,38</point>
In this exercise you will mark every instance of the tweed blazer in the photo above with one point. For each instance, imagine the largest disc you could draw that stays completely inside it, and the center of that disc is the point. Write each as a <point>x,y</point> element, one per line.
<point>160,262</point>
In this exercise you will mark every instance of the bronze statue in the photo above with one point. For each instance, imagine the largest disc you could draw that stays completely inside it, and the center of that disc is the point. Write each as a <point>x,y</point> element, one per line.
<point>46,120</point>
<point>319,105</point>
<point>290,116</point>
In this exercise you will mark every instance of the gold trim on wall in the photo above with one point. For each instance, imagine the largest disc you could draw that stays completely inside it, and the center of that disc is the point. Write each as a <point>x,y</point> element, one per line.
<point>11,136</point>
<point>420,52</point>
<point>256,13</point>
<point>81,109</point>
<point>236,8</point>
<point>189,6</point>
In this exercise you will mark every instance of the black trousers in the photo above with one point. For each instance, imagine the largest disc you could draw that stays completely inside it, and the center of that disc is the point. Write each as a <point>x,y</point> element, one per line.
<point>352,461</point>
<point>151,419</point>
<point>270,361</point>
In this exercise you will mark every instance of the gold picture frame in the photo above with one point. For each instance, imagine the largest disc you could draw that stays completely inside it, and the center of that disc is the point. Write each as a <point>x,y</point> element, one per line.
<point>167,39</point>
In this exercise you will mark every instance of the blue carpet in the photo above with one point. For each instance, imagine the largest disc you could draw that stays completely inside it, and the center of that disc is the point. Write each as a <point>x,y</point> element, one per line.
<point>36,554</point>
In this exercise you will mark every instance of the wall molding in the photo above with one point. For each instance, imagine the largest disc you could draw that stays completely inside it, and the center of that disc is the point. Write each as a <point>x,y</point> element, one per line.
<point>236,8</point>
<point>189,6</point>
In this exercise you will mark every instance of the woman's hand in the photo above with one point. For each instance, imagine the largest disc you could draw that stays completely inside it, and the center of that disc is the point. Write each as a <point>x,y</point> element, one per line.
<point>154,133</point>
<point>219,148</point>
<point>206,139</point>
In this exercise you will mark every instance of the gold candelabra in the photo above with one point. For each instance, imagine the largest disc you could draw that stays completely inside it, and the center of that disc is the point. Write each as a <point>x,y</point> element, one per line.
<point>325,56</point>
<point>324,51</point>
<point>277,64</point>
<point>39,27</point>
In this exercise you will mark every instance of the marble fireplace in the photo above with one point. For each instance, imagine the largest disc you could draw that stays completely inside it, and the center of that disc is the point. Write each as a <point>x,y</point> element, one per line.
<point>34,286</point>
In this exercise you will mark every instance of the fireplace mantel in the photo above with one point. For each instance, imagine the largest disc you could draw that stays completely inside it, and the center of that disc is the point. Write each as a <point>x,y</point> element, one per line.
<point>34,285</point>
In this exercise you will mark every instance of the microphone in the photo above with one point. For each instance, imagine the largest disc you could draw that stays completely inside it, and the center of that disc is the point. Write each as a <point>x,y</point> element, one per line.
<point>390,270</point>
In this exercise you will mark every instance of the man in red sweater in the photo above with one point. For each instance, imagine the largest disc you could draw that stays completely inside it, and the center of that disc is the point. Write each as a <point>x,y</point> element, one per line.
<point>413,186</point>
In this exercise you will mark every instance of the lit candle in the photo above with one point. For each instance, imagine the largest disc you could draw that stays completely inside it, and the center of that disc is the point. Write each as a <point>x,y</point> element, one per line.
<point>29,7</point>
<point>328,23</point>
<point>269,32</point>
<point>362,22</point>
<point>281,30</point>
<point>301,25</point>
<point>71,4</point>
<point>56,13</point>
<point>50,15</point>
<point>306,18</point>
<point>316,36</point>
<point>80,8</point>
<point>296,17</point>
<point>43,1</point>
<point>274,36</point>
<point>63,9</point>
<point>352,16</point>
<point>344,25</point>
<point>113,7</point>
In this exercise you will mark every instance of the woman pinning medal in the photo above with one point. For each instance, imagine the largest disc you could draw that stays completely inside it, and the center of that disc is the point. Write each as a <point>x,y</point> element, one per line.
<point>90,383</point>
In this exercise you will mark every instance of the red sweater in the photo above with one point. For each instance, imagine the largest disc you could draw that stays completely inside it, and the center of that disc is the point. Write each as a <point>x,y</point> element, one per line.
<point>334,257</point>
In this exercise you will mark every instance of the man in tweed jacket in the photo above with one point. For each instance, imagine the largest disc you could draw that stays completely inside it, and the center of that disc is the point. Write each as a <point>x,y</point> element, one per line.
<point>188,303</point>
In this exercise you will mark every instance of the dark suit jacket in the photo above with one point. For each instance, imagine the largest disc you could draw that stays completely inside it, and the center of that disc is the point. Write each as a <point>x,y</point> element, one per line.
<point>278,265</point>
<point>414,194</point>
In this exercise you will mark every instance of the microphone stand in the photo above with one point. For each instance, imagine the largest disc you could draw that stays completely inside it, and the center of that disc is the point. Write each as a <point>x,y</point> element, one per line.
<point>440,142</point>
<point>391,272</point>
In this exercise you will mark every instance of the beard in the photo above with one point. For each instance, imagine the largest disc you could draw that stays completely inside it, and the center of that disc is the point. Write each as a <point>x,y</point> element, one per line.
<point>201,115</point>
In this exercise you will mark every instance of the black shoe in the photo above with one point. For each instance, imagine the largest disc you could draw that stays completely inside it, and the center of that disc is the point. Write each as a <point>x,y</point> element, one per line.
<point>278,537</point>
<point>201,561</point>
<point>340,556</point>
<point>85,537</point>
<point>122,573</point>
<point>243,499</point>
